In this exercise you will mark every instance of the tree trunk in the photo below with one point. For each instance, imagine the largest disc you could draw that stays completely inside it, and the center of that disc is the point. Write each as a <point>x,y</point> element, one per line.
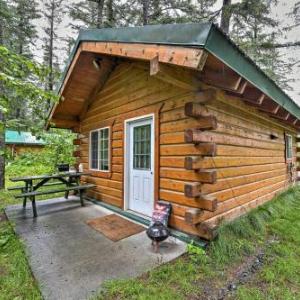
<point>2,149</point>
<point>51,38</point>
<point>226,15</point>
<point>110,13</point>
<point>145,16</point>
<point>100,4</point>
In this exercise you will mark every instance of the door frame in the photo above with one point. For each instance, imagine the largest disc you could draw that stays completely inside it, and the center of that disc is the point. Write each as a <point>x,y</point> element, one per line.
<point>127,157</point>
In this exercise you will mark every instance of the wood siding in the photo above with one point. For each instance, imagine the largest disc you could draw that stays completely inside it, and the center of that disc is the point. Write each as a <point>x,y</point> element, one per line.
<point>234,161</point>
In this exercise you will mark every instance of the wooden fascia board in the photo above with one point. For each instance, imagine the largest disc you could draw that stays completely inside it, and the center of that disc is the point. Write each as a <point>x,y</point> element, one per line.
<point>193,58</point>
<point>65,82</point>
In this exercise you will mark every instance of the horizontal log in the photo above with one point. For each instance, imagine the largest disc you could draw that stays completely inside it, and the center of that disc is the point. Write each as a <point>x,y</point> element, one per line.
<point>195,110</point>
<point>218,161</point>
<point>238,201</point>
<point>240,210</point>
<point>207,149</point>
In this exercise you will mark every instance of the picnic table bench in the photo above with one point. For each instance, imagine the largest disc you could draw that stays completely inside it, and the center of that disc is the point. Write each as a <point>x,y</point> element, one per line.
<point>71,180</point>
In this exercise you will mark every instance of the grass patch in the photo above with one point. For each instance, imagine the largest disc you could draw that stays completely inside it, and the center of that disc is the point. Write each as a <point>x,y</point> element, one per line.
<point>16,281</point>
<point>197,273</point>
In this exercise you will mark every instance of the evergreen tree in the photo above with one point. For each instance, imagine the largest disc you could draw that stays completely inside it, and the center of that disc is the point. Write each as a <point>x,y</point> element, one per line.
<point>92,14</point>
<point>52,12</point>
<point>142,12</point>
<point>6,27</point>
<point>24,12</point>
<point>251,26</point>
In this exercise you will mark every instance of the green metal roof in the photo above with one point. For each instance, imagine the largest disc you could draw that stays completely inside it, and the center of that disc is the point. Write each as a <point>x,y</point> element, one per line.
<point>21,137</point>
<point>204,35</point>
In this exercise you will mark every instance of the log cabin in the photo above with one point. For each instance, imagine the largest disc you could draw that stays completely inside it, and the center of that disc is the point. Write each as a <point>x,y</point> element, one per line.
<point>177,113</point>
<point>19,142</point>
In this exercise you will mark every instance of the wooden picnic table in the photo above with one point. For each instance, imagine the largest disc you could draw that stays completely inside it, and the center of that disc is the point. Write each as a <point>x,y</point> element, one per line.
<point>33,183</point>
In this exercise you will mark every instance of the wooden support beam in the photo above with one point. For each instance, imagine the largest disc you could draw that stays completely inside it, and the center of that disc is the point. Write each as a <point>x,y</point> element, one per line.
<point>193,162</point>
<point>224,80</point>
<point>205,96</point>
<point>174,76</point>
<point>261,99</point>
<point>195,110</point>
<point>207,176</point>
<point>154,65</point>
<point>282,117</point>
<point>241,89</point>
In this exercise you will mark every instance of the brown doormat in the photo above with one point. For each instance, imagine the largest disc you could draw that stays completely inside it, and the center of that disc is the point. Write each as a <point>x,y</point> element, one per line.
<point>114,227</point>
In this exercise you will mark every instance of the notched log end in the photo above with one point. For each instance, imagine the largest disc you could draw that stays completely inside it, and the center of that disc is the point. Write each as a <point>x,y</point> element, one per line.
<point>207,232</point>
<point>192,190</point>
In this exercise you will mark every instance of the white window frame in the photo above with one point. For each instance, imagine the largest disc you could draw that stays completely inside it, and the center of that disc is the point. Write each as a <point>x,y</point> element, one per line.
<point>288,136</point>
<point>90,149</point>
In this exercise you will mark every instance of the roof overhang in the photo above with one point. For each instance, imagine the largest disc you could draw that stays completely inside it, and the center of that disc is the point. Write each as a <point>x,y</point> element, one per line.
<point>187,45</point>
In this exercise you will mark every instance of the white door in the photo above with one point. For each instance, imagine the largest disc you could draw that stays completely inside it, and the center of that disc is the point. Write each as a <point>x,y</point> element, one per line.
<point>140,156</point>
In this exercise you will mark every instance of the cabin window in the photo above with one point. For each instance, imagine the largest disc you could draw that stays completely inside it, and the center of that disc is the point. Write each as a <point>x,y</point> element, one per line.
<point>99,149</point>
<point>142,147</point>
<point>288,147</point>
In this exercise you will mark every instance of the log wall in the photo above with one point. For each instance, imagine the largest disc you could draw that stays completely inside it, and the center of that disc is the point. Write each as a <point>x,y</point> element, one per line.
<point>215,157</point>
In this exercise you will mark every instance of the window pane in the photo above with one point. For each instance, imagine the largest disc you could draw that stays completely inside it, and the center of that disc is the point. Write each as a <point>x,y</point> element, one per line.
<point>94,150</point>
<point>141,147</point>
<point>289,147</point>
<point>103,151</point>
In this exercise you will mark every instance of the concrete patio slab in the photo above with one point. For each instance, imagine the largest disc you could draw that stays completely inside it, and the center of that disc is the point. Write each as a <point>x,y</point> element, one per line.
<point>70,260</point>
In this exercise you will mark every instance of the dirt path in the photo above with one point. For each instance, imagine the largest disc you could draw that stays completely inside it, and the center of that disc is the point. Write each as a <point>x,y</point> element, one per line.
<point>236,276</point>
